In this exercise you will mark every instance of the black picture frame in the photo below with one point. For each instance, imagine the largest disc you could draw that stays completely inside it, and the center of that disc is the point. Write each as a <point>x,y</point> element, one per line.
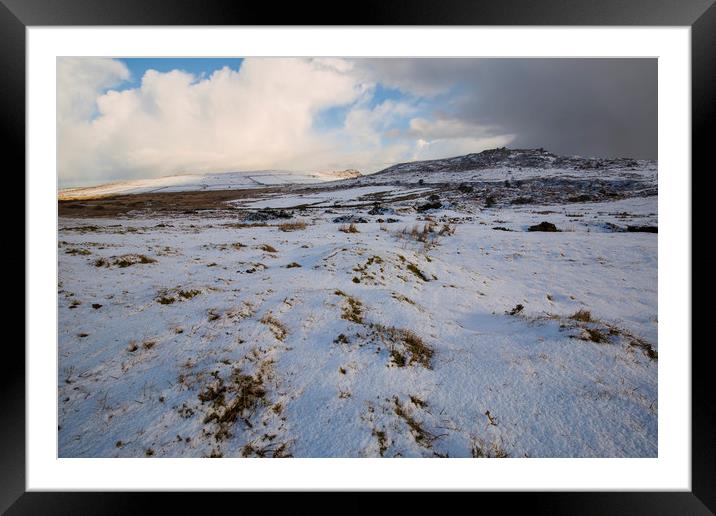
<point>700,15</point>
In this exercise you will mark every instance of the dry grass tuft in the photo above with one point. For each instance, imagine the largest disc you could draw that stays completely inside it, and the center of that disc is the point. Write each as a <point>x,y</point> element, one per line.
<point>349,228</point>
<point>382,441</point>
<point>418,402</point>
<point>77,250</point>
<point>582,315</point>
<point>246,393</point>
<point>594,335</point>
<point>125,260</point>
<point>292,226</point>
<point>425,235</point>
<point>421,436</point>
<point>647,348</point>
<point>417,272</point>
<point>352,309</point>
<point>481,450</point>
<point>170,296</point>
<point>406,347</point>
<point>255,449</point>
<point>278,329</point>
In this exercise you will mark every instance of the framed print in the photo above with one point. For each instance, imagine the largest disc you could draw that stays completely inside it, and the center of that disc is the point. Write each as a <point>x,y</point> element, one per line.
<point>270,255</point>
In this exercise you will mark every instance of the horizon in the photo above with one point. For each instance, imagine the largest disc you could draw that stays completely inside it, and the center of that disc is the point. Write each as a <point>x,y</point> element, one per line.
<point>199,173</point>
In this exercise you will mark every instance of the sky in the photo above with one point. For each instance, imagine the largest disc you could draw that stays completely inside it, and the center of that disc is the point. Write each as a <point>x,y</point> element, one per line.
<point>121,119</point>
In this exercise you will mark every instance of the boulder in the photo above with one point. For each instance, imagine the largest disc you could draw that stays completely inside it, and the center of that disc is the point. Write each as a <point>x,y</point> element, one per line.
<point>543,226</point>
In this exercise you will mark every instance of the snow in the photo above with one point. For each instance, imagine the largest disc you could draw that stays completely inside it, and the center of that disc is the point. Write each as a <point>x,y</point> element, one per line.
<point>523,385</point>
<point>318,199</point>
<point>194,182</point>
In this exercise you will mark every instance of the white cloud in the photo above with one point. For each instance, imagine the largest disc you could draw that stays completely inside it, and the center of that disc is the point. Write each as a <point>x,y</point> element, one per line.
<point>259,117</point>
<point>79,81</point>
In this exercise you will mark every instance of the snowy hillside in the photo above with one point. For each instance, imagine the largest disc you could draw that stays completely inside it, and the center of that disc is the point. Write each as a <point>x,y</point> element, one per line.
<point>429,310</point>
<point>204,182</point>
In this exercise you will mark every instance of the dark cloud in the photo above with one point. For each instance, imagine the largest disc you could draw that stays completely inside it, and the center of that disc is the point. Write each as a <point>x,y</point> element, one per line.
<point>590,107</point>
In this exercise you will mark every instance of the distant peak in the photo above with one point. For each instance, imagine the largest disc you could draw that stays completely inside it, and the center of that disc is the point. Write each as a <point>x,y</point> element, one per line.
<point>502,157</point>
<point>341,174</point>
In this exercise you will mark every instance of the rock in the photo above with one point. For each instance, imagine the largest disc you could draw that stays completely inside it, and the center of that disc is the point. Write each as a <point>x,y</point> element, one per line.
<point>267,214</point>
<point>380,210</point>
<point>543,226</point>
<point>522,200</point>
<point>429,206</point>
<point>350,219</point>
<point>580,198</point>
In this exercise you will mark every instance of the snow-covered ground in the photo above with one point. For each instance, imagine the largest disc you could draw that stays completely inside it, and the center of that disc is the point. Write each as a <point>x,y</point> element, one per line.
<point>244,333</point>
<point>197,182</point>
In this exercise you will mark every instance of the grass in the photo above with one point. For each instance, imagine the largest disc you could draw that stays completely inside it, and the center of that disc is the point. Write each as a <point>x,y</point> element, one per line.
<point>253,449</point>
<point>424,235</point>
<point>231,401</point>
<point>517,309</point>
<point>401,297</point>
<point>421,436</point>
<point>594,335</point>
<point>412,349</point>
<point>76,250</point>
<point>349,228</point>
<point>168,297</point>
<point>382,441</point>
<point>418,402</point>
<point>278,329</point>
<point>481,450</point>
<point>188,294</point>
<point>415,270</point>
<point>397,358</point>
<point>341,339</point>
<point>268,248</point>
<point>419,351</point>
<point>447,229</point>
<point>126,260</point>
<point>428,235</point>
<point>292,226</point>
<point>352,309</point>
<point>293,265</point>
<point>582,315</point>
<point>647,348</point>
